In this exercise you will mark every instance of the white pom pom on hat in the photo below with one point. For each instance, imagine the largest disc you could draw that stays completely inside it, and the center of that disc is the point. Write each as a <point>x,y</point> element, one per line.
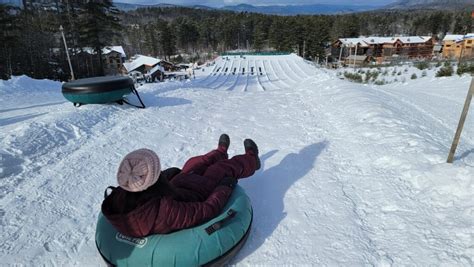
<point>139,170</point>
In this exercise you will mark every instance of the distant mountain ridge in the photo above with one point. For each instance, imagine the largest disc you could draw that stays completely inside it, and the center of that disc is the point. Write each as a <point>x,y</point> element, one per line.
<point>128,6</point>
<point>313,9</point>
<point>300,9</point>
<point>11,2</point>
<point>274,9</point>
<point>431,4</point>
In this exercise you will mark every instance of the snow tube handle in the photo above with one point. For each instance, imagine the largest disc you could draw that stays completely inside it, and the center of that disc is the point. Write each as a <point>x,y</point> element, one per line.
<point>218,225</point>
<point>106,194</point>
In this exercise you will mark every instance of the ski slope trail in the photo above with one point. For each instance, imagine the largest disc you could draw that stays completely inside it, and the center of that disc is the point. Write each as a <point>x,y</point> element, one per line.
<point>253,73</point>
<point>227,74</point>
<point>280,73</point>
<point>253,83</point>
<point>218,74</point>
<point>351,174</point>
<point>263,77</point>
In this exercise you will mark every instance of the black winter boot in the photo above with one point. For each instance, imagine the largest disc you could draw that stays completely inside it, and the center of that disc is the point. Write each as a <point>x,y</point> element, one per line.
<point>251,147</point>
<point>224,142</point>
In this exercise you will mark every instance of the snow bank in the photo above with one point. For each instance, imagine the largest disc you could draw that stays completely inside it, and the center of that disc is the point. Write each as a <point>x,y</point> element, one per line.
<point>25,84</point>
<point>21,91</point>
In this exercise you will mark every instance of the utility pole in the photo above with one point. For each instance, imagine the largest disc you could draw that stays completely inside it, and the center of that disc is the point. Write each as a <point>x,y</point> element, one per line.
<point>67,52</point>
<point>457,136</point>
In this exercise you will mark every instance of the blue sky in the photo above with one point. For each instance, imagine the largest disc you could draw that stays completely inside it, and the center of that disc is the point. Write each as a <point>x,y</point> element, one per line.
<point>218,3</point>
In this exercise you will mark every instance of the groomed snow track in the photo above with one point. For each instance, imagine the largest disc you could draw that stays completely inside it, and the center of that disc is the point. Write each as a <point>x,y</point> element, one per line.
<point>255,73</point>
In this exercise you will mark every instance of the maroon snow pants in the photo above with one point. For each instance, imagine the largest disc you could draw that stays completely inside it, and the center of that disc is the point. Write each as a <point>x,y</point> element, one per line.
<point>202,174</point>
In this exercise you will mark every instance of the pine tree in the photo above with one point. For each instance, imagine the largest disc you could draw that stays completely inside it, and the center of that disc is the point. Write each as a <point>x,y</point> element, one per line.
<point>187,34</point>
<point>98,26</point>
<point>151,37</point>
<point>280,34</point>
<point>317,34</point>
<point>463,23</point>
<point>207,34</point>
<point>259,37</point>
<point>167,40</point>
<point>8,38</point>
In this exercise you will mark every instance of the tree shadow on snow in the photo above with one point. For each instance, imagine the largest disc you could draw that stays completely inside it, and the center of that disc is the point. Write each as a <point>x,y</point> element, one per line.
<point>267,190</point>
<point>20,118</point>
<point>34,106</point>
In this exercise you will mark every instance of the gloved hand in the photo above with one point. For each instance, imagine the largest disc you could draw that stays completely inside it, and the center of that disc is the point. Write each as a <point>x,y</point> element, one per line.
<point>229,181</point>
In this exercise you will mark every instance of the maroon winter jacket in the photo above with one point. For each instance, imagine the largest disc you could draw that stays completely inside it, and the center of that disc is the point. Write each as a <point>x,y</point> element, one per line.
<point>156,211</point>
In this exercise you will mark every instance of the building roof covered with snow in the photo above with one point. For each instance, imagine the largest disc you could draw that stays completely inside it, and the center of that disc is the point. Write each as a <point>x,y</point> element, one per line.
<point>453,37</point>
<point>116,48</point>
<point>414,39</point>
<point>375,40</point>
<point>106,50</point>
<point>380,40</point>
<point>140,60</point>
<point>350,42</point>
<point>156,68</point>
<point>458,37</point>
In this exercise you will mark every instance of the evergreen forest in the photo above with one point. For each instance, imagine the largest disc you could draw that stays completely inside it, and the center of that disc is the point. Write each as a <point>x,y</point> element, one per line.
<point>31,41</point>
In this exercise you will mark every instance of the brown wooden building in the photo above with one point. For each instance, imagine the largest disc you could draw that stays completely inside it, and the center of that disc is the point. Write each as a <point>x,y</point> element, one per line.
<point>384,49</point>
<point>456,45</point>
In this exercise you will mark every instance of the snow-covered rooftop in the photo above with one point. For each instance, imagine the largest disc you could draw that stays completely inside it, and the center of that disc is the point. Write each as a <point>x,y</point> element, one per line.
<point>380,40</point>
<point>413,39</point>
<point>458,37</point>
<point>118,49</point>
<point>453,37</point>
<point>353,41</point>
<point>106,50</point>
<point>156,68</point>
<point>365,41</point>
<point>140,60</point>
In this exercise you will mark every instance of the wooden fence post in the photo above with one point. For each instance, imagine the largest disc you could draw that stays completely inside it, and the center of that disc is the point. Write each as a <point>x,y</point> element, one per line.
<point>461,122</point>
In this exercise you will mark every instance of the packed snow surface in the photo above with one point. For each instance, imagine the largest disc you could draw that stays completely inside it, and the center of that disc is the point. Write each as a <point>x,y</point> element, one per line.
<point>351,174</point>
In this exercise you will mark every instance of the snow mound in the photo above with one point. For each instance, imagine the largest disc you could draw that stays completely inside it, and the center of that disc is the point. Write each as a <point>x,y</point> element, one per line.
<point>26,84</point>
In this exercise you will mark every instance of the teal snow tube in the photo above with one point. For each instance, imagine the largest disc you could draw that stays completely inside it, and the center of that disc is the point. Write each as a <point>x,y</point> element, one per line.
<point>97,90</point>
<point>211,244</point>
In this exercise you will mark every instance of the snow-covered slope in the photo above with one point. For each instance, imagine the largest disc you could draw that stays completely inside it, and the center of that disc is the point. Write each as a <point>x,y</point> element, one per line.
<point>352,174</point>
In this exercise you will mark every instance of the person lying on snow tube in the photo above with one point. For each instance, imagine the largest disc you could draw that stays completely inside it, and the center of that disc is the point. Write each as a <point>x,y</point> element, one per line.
<point>150,201</point>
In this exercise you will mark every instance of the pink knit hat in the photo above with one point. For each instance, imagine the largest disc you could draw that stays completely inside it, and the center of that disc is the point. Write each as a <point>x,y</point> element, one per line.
<point>139,170</point>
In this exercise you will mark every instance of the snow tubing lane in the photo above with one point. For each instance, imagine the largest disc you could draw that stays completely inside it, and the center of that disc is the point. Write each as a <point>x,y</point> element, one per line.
<point>97,90</point>
<point>188,247</point>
